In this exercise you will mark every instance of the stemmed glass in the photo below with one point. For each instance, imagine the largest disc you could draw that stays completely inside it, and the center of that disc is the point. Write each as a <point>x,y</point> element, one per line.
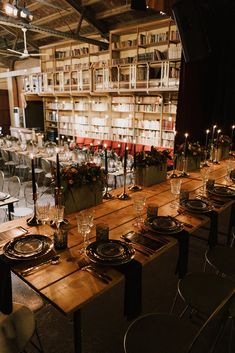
<point>230,164</point>
<point>84,224</point>
<point>204,173</point>
<point>175,190</point>
<point>139,202</point>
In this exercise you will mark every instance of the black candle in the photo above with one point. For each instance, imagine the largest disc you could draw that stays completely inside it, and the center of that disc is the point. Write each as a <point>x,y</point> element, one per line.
<point>207,134</point>
<point>106,159</point>
<point>134,155</point>
<point>185,145</point>
<point>58,170</point>
<point>125,158</point>
<point>33,178</point>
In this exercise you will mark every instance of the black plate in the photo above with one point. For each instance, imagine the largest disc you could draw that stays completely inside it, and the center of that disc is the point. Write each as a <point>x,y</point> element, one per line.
<point>111,252</point>
<point>222,191</point>
<point>28,247</point>
<point>164,224</point>
<point>197,206</point>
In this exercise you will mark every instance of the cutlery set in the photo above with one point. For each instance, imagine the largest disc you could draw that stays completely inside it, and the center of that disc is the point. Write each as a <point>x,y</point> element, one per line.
<point>84,265</point>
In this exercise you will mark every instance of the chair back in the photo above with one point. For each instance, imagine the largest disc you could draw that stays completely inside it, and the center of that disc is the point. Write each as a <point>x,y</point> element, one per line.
<point>5,155</point>
<point>212,330</point>
<point>28,193</point>
<point>2,179</point>
<point>46,165</point>
<point>14,186</point>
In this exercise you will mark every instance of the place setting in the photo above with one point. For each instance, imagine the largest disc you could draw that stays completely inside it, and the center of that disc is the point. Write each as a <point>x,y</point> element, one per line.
<point>4,196</point>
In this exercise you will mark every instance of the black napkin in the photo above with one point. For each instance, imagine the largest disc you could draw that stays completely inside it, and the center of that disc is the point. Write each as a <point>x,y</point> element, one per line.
<point>5,288</point>
<point>231,223</point>
<point>213,233</point>
<point>133,288</point>
<point>182,262</point>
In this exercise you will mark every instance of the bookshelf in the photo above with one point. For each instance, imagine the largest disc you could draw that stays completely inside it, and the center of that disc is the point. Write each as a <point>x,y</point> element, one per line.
<point>120,93</point>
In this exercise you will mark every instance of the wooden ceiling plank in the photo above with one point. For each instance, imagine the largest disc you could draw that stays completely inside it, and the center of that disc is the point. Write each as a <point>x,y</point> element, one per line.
<point>52,17</point>
<point>19,33</point>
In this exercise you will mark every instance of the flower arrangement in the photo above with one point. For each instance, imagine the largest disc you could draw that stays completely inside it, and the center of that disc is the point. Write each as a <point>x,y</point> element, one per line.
<point>76,175</point>
<point>194,149</point>
<point>153,157</point>
<point>224,140</point>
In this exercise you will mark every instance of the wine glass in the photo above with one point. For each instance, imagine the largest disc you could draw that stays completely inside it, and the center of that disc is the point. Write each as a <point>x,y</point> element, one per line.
<point>229,168</point>
<point>175,190</point>
<point>84,224</point>
<point>139,202</point>
<point>204,173</point>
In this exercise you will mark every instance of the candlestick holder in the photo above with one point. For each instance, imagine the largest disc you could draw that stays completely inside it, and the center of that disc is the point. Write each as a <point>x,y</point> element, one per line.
<point>124,195</point>
<point>216,160</point>
<point>58,202</point>
<point>184,172</point>
<point>173,174</point>
<point>107,194</point>
<point>134,187</point>
<point>34,221</point>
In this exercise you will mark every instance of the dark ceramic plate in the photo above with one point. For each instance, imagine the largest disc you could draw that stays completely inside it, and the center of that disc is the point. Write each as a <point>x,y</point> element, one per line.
<point>222,191</point>
<point>111,252</point>
<point>164,224</point>
<point>28,247</point>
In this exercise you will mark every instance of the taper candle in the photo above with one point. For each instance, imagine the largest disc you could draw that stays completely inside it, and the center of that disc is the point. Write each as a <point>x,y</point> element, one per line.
<point>207,134</point>
<point>105,159</point>
<point>217,138</point>
<point>185,144</point>
<point>134,154</point>
<point>233,127</point>
<point>213,133</point>
<point>57,171</point>
<point>34,189</point>
<point>125,158</point>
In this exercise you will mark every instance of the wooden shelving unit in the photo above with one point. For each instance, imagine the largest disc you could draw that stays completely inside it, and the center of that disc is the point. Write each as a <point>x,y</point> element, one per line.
<point>120,93</point>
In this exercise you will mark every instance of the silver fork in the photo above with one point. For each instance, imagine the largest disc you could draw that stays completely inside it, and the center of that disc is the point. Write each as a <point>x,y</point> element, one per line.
<point>85,265</point>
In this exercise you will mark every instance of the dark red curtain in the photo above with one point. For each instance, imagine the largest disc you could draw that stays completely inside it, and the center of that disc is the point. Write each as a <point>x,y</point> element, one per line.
<point>207,86</point>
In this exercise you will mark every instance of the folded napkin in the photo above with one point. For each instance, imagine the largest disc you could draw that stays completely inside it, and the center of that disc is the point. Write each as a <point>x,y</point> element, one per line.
<point>5,288</point>
<point>133,288</point>
<point>182,262</point>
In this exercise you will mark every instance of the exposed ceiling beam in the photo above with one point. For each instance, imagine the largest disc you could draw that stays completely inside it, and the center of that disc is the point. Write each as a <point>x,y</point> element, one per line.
<point>52,17</point>
<point>89,17</point>
<point>18,24</point>
<point>17,33</point>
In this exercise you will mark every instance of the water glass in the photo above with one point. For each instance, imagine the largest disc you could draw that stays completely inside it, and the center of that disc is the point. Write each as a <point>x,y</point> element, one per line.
<point>175,190</point>
<point>42,211</point>
<point>139,201</point>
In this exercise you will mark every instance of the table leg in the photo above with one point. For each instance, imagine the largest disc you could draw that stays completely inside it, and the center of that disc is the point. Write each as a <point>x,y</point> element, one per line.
<point>77,332</point>
<point>10,209</point>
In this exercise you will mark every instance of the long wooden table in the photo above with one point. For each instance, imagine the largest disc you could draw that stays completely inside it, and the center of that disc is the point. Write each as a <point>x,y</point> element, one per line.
<point>78,294</point>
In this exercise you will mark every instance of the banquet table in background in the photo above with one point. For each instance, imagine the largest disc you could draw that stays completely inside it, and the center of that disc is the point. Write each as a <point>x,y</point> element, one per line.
<point>95,306</point>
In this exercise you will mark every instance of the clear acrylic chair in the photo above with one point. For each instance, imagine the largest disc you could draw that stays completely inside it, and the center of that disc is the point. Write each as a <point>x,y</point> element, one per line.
<point>166,333</point>
<point>27,210</point>
<point>2,180</point>
<point>17,321</point>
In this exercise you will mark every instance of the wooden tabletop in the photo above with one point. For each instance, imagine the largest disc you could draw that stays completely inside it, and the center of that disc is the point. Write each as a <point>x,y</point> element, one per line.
<point>69,288</point>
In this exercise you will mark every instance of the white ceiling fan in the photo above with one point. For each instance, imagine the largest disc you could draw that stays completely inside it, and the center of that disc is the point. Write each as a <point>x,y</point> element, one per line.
<point>25,54</point>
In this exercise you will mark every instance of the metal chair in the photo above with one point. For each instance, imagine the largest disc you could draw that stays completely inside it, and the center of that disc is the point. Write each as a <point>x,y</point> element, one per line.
<point>222,260</point>
<point>17,321</point>
<point>158,333</point>
<point>28,198</point>
<point>2,180</point>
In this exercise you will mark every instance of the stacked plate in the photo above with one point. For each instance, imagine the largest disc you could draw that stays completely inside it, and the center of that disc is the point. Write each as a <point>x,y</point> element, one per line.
<point>4,196</point>
<point>28,247</point>
<point>110,252</point>
<point>222,191</point>
<point>164,224</point>
<point>197,206</point>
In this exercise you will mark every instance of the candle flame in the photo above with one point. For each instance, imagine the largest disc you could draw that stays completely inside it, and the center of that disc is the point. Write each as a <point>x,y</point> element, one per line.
<point>233,126</point>
<point>215,126</point>
<point>207,131</point>
<point>186,134</point>
<point>105,145</point>
<point>31,155</point>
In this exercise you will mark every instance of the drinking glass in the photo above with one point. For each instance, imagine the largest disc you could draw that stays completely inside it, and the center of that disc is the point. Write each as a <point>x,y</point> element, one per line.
<point>139,202</point>
<point>42,211</point>
<point>230,164</point>
<point>175,190</point>
<point>58,215</point>
<point>84,224</point>
<point>204,173</point>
